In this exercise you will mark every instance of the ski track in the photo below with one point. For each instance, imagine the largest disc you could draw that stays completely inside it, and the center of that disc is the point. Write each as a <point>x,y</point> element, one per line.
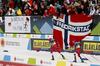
<point>46,55</point>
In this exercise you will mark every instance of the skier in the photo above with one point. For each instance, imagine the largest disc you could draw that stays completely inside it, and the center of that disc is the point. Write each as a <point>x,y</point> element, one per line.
<point>77,51</point>
<point>55,46</point>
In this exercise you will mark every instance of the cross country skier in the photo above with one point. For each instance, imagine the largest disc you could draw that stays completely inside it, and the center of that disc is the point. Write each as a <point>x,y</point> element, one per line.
<point>55,46</point>
<point>77,51</point>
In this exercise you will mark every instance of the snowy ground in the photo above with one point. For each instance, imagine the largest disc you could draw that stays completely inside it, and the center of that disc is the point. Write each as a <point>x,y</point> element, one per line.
<point>93,59</point>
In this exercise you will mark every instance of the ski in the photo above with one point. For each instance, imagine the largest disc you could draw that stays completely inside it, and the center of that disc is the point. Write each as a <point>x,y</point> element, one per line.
<point>62,58</point>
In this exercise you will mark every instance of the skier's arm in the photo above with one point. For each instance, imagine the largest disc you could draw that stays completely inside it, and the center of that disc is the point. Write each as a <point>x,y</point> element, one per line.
<point>80,45</point>
<point>74,45</point>
<point>58,44</point>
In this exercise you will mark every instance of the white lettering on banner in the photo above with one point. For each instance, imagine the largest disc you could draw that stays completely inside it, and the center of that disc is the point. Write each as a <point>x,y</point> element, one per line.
<point>12,43</point>
<point>73,28</point>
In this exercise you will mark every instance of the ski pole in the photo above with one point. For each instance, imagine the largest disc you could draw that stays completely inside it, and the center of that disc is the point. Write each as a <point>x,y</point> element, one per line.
<point>87,58</point>
<point>95,58</point>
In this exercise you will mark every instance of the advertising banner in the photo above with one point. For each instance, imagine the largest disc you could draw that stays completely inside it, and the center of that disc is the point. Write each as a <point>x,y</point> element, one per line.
<point>40,44</point>
<point>71,49</point>
<point>68,28</point>
<point>17,24</point>
<point>15,43</point>
<point>5,63</point>
<point>96,25</point>
<point>2,29</point>
<point>41,26</point>
<point>92,47</point>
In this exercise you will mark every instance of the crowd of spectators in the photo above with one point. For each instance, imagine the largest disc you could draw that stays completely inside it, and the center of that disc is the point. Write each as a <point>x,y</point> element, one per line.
<point>49,7</point>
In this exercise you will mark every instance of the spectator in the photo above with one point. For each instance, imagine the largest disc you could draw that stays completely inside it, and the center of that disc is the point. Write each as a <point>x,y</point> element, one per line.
<point>78,1</point>
<point>42,11</point>
<point>77,7</point>
<point>98,5</point>
<point>48,2</point>
<point>11,12</point>
<point>55,10</point>
<point>39,7</point>
<point>98,11</point>
<point>18,3</point>
<point>1,12</point>
<point>56,5</point>
<point>72,4</point>
<point>23,4</point>
<point>92,11</point>
<point>28,12</point>
<point>44,3</point>
<point>61,2</point>
<point>31,2</point>
<point>19,13</point>
<point>36,11</point>
<point>34,5</point>
<point>61,11</point>
<point>4,12</point>
<point>51,10</point>
<point>86,7</point>
<point>27,5</point>
<point>12,4</point>
<point>93,2</point>
<point>52,2</point>
<point>82,9</point>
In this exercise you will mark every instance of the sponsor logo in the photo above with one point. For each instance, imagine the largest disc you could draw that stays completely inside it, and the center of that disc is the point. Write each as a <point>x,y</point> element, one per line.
<point>41,62</point>
<point>45,62</point>
<point>14,58</point>
<point>19,35</point>
<point>18,59</point>
<point>48,36</point>
<point>71,64</point>
<point>12,43</point>
<point>71,48</point>
<point>32,35</point>
<point>91,46</point>
<point>34,19</point>
<point>41,44</point>
<point>2,42</point>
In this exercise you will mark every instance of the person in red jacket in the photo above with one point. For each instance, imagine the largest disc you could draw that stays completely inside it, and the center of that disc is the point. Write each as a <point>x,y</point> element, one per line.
<point>12,4</point>
<point>55,46</point>
<point>31,2</point>
<point>28,12</point>
<point>77,50</point>
<point>51,10</point>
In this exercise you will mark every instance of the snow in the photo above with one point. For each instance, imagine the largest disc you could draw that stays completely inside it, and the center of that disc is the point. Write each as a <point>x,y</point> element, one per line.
<point>46,55</point>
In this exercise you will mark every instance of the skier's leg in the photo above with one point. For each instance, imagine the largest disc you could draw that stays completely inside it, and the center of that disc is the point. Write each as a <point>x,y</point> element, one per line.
<point>75,57</point>
<point>62,55</point>
<point>81,59</point>
<point>52,56</point>
<point>78,52</point>
<point>52,49</point>
<point>59,49</point>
